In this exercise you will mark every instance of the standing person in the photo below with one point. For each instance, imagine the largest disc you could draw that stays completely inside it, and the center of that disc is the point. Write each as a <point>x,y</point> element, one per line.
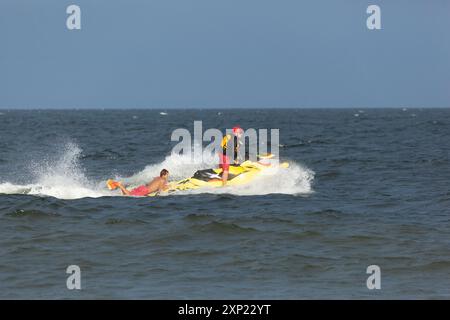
<point>224,160</point>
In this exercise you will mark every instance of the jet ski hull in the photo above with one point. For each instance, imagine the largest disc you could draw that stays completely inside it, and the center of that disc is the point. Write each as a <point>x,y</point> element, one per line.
<point>238,175</point>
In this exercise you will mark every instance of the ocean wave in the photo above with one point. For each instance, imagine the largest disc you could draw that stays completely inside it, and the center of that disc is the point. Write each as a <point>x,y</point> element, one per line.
<point>221,227</point>
<point>32,214</point>
<point>439,265</point>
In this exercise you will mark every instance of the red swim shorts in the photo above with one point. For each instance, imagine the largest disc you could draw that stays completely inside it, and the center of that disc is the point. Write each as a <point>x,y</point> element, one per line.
<point>140,191</point>
<point>224,162</point>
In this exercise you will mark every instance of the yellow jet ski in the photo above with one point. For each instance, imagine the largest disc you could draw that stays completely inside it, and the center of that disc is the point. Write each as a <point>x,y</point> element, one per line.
<point>238,175</point>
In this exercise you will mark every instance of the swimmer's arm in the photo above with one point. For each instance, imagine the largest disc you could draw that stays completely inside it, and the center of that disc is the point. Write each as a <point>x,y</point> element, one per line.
<point>164,186</point>
<point>123,189</point>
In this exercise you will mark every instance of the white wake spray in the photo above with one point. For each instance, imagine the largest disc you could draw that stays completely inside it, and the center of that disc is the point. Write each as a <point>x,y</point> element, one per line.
<point>63,177</point>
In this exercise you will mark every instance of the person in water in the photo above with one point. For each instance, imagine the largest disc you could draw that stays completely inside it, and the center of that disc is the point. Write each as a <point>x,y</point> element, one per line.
<point>224,159</point>
<point>157,184</point>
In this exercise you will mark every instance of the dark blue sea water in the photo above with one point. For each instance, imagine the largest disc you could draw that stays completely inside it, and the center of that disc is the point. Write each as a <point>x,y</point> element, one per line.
<point>365,187</point>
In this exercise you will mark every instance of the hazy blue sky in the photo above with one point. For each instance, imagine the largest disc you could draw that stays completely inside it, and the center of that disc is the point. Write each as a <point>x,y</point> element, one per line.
<point>222,53</point>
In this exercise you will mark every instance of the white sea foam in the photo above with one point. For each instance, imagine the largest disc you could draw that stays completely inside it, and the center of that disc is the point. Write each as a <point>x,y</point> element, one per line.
<point>294,180</point>
<point>63,177</point>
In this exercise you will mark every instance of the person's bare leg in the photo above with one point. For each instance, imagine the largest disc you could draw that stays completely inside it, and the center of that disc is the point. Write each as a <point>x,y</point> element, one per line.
<point>224,178</point>
<point>123,189</point>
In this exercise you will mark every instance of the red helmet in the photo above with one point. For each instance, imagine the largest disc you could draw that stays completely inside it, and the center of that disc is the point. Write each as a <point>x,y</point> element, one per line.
<point>237,130</point>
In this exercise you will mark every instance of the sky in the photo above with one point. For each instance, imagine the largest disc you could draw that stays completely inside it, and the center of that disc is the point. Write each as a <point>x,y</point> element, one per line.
<point>224,53</point>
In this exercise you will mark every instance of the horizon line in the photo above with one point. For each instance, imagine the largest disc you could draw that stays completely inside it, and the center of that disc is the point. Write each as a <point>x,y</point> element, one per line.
<point>211,108</point>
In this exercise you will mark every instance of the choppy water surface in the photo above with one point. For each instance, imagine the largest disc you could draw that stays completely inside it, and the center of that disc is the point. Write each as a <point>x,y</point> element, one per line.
<point>364,187</point>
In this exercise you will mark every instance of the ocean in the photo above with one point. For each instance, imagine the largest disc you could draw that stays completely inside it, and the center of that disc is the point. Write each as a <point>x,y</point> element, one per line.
<point>364,187</point>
